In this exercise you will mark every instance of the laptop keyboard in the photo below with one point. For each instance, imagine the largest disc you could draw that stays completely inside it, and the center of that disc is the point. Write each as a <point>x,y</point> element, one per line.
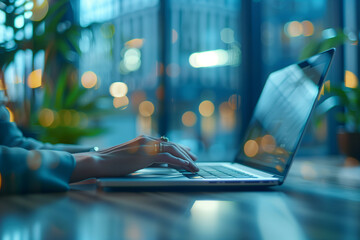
<point>215,172</point>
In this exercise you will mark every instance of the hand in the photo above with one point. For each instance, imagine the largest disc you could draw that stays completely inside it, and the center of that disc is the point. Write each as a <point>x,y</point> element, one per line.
<point>131,156</point>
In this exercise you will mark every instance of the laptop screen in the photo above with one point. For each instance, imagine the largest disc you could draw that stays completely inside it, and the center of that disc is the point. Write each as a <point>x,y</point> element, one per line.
<point>281,114</point>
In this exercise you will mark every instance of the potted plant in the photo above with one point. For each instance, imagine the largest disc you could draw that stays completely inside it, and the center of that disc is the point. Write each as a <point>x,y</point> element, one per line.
<point>345,96</point>
<point>60,93</point>
<point>349,134</point>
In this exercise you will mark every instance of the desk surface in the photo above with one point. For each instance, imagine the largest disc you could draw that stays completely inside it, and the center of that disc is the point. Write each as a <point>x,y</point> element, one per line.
<point>317,201</point>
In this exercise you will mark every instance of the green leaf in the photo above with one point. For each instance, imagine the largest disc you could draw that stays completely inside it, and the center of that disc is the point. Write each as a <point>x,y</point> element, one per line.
<point>60,89</point>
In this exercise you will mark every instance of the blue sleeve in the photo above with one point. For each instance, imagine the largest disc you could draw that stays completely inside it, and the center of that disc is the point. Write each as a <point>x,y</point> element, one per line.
<point>27,165</point>
<point>24,171</point>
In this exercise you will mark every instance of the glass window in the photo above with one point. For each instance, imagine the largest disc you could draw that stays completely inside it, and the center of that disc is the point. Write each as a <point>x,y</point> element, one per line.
<point>204,76</point>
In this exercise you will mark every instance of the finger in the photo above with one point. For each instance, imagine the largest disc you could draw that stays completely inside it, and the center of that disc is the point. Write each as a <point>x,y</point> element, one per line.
<point>173,160</point>
<point>185,150</point>
<point>177,152</point>
<point>188,151</point>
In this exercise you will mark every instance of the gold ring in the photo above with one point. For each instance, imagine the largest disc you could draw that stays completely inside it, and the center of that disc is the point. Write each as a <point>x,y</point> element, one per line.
<point>164,139</point>
<point>161,147</point>
<point>157,148</point>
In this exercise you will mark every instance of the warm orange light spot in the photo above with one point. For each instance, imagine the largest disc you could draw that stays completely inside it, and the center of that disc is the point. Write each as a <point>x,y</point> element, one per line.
<point>34,160</point>
<point>46,117</point>
<point>351,81</point>
<point>227,116</point>
<point>160,92</point>
<point>135,43</point>
<point>121,102</point>
<point>2,85</point>
<point>251,148</point>
<point>234,101</point>
<point>89,79</point>
<point>308,28</point>
<point>294,29</point>
<point>159,69</point>
<point>0,181</point>
<point>39,10</point>
<point>174,36</point>
<point>208,125</point>
<point>206,108</point>
<point>279,168</point>
<point>189,118</point>
<point>146,108</point>
<point>34,79</point>
<point>118,89</point>
<point>268,143</point>
<point>11,114</point>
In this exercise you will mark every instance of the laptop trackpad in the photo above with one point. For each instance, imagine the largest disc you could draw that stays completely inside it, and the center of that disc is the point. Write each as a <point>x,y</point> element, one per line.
<point>155,173</point>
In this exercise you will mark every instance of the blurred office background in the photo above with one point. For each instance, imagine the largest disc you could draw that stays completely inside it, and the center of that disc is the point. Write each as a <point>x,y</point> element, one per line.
<point>188,69</point>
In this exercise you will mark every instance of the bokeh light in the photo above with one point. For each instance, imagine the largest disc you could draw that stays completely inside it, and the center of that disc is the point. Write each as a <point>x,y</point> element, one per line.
<point>132,59</point>
<point>121,102</point>
<point>206,108</point>
<point>34,160</point>
<point>135,43</point>
<point>268,143</point>
<point>351,81</point>
<point>227,116</point>
<point>11,115</point>
<point>234,101</point>
<point>189,118</point>
<point>307,171</point>
<point>46,117</point>
<point>208,126</point>
<point>294,29</point>
<point>174,36</point>
<point>251,148</point>
<point>19,21</point>
<point>35,79</point>
<point>118,89</point>
<point>308,28</point>
<point>212,58</point>
<point>39,10</point>
<point>89,79</point>
<point>279,168</point>
<point>146,108</point>
<point>227,35</point>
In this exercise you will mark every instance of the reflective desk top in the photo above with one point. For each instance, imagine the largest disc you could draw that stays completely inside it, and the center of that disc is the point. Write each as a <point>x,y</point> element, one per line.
<point>317,201</point>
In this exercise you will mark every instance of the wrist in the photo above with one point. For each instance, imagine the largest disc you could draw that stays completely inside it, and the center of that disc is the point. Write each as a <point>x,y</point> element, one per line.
<point>84,167</point>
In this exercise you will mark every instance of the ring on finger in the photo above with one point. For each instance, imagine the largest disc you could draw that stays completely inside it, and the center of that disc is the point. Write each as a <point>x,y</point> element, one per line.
<point>159,147</point>
<point>164,139</point>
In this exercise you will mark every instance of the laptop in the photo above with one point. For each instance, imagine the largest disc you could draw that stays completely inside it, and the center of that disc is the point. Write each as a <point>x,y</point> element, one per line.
<point>271,140</point>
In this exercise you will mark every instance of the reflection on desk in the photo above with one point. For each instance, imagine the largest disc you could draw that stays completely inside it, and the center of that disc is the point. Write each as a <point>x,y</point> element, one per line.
<point>314,206</point>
